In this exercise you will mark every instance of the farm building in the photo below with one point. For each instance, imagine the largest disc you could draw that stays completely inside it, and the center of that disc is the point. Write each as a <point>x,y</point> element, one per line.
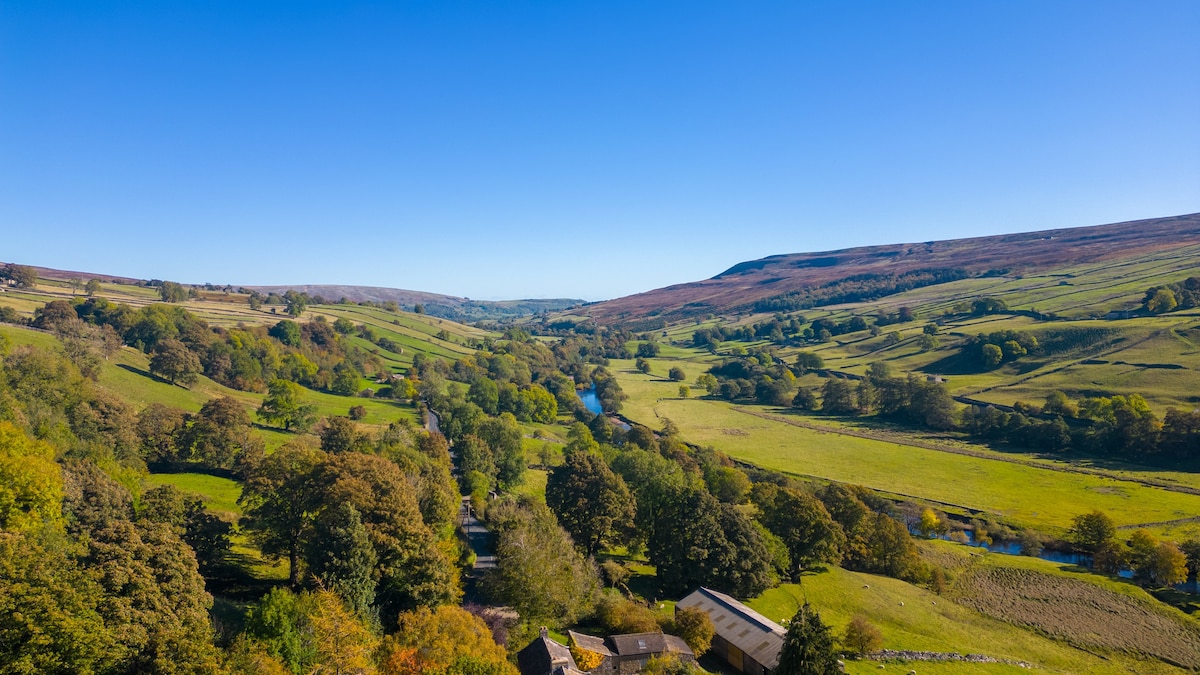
<point>628,654</point>
<point>544,656</point>
<point>613,655</point>
<point>745,639</point>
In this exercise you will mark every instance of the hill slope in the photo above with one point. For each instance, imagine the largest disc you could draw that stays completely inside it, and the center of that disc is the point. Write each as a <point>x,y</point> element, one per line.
<point>445,306</point>
<point>435,304</point>
<point>810,279</point>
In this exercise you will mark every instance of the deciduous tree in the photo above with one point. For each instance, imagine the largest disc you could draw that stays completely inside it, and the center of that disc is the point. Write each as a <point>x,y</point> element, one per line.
<point>287,332</point>
<point>445,635</point>
<point>539,572</point>
<point>1167,565</point>
<point>31,482</point>
<point>1092,531</point>
<point>592,503</point>
<point>695,627</point>
<point>698,541</point>
<point>861,637</point>
<point>170,291</point>
<point>22,275</point>
<point>175,362</point>
<point>278,497</point>
<point>284,406</point>
<point>280,622</point>
<point>344,645</point>
<point>837,398</point>
<point>412,570</point>
<point>802,523</point>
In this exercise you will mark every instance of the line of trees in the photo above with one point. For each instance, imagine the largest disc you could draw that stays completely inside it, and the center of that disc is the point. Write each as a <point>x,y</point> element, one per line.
<point>1161,563</point>
<point>1122,426</point>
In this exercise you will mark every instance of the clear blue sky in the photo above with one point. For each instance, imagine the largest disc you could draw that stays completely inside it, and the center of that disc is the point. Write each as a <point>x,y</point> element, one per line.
<point>574,149</point>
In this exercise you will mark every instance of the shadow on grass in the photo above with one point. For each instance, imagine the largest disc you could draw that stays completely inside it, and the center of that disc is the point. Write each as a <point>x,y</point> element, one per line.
<point>232,578</point>
<point>144,373</point>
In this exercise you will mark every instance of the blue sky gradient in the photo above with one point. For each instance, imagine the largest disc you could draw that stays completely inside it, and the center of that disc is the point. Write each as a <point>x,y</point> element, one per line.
<point>570,149</point>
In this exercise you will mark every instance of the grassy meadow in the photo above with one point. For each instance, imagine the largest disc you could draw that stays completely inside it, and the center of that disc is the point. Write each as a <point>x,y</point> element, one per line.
<point>1024,494</point>
<point>987,619</point>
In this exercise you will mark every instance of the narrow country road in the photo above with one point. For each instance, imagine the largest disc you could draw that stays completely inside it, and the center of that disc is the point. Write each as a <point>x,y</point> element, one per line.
<point>479,538</point>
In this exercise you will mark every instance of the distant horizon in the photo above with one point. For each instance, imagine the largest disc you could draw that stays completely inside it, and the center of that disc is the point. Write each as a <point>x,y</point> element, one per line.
<point>112,274</point>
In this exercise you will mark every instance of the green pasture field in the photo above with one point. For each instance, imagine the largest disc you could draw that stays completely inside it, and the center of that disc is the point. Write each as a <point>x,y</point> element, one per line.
<point>1029,496</point>
<point>1077,294</point>
<point>415,331</point>
<point>1157,357</point>
<point>533,485</point>
<point>912,618</point>
<point>127,375</point>
<point>416,325</point>
<point>220,494</point>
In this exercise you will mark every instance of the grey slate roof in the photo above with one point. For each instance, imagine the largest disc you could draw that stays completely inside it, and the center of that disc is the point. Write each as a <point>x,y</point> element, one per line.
<point>590,643</point>
<point>544,656</point>
<point>638,643</point>
<point>631,644</point>
<point>677,645</point>
<point>756,635</point>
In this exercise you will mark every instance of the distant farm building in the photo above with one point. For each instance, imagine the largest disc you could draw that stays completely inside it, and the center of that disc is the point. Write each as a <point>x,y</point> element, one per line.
<point>746,640</point>
<point>613,655</point>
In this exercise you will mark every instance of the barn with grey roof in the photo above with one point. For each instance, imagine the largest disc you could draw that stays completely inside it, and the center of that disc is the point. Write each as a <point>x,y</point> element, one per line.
<point>745,639</point>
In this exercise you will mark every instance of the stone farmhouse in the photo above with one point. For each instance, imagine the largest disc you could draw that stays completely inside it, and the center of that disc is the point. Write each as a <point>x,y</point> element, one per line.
<point>613,655</point>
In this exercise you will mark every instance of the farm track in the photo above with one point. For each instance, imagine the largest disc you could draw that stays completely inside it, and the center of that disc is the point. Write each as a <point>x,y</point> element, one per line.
<point>1145,482</point>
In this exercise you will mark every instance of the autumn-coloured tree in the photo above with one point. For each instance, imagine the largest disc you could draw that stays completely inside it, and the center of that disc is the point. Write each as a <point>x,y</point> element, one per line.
<point>695,627</point>
<point>436,639</point>
<point>861,636</point>
<point>344,645</point>
<point>31,484</point>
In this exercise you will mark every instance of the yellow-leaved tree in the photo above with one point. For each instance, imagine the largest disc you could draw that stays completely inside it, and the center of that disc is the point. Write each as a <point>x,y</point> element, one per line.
<point>438,639</point>
<point>31,484</point>
<point>344,645</point>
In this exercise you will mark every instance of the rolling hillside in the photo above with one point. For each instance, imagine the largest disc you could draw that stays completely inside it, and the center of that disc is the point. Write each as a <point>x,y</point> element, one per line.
<point>817,279</point>
<point>435,304</point>
<point>445,306</point>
